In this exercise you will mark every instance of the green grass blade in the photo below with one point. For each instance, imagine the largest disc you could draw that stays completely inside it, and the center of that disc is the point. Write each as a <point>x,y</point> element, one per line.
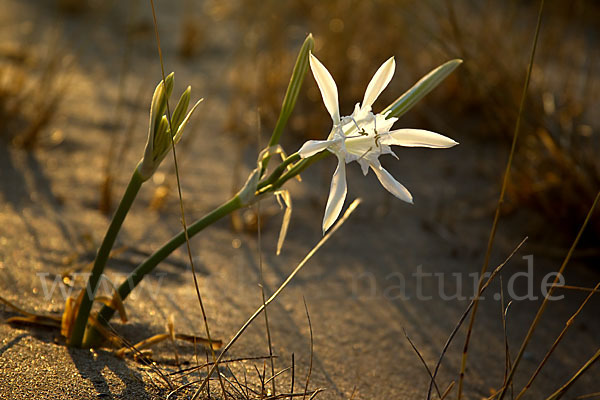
<point>291,94</point>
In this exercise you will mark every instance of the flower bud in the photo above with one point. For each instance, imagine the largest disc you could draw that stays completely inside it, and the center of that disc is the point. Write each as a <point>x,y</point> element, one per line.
<point>160,136</point>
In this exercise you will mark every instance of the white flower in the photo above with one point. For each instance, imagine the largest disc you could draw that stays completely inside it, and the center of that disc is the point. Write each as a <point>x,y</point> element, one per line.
<point>363,137</point>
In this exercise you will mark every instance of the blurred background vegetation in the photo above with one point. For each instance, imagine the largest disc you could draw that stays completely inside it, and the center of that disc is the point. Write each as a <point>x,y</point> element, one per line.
<point>556,172</point>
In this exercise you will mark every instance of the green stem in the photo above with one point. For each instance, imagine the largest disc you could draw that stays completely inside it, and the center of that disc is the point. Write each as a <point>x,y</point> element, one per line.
<point>266,186</point>
<point>151,262</point>
<point>279,170</point>
<point>102,257</point>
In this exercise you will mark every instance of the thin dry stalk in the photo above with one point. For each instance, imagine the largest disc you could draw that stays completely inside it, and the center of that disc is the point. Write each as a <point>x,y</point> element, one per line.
<point>293,375</point>
<point>588,396</point>
<point>448,390</point>
<point>564,388</point>
<point>189,370</point>
<point>181,208</point>
<point>140,356</point>
<point>310,365</point>
<point>556,342</point>
<point>503,313</point>
<point>466,313</point>
<point>244,389</point>
<point>550,292</point>
<point>291,276</point>
<point>422,362</point>
<point>583,289</point>
<point>260,267</point>
<point>505,181</point>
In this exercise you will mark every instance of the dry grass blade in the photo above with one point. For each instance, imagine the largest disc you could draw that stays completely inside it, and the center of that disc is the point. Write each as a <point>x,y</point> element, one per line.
<point>261,378</point>
<point>244,390</point>
<point>556,342</point>
<point>564,388</point>
<point>232,385</point>
<point>548,295</point>
<point>583,289</point>
<point>37,320</point>
<point>25,312</point>
<point>312,394</point>
<point>466,313</point>
<point>291,276</point>
<point>588,396</point>
<point>181,208</point>
<point>293,375</point>
<point>277,374</point>
<point>437,389</point>
<point>500,202</point>
<point>108,301</point>
<point>262,279</point>
<point>507,360</point>
<point>354,389</point>
<point>448,390</point>
<point>144,344</point>
<point>310,365</point>
<point>186,371</point>
<point>215,344</point>
<point>171,331</point>
<point>286,204</point>
<point>109,332</point>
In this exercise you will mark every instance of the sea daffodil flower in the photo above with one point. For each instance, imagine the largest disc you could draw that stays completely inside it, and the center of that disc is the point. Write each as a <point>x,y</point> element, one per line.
<point>363,137</point>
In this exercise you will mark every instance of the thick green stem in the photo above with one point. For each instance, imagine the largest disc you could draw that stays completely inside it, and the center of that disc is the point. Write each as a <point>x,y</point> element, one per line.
<point>106,313</point>
<point>102,257</point>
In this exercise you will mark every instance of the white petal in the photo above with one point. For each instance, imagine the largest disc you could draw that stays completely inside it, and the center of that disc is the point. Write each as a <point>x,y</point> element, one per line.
<point>391,184</point>
<point>313,147</point>
<point>384,124</point>
<point>337,195</point>
<point>380,80</point>
<point>385,149</point>
<point>327,87</point>
<point>418,138</point>
<point>364,165</point>
<point>179,133</point>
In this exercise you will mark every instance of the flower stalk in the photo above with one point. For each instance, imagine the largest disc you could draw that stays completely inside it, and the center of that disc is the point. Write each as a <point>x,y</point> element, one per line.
<point>102,257</point>
<point>92,337</point>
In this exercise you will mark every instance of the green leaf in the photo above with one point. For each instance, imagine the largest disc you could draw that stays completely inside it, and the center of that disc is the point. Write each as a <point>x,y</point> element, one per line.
<point>291,94</point>
<point>420,89</point>
<point>180,109</point>
<point>179,132</point>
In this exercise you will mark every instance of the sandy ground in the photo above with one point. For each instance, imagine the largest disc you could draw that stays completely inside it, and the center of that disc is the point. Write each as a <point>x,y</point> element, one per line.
<point>48,216</point>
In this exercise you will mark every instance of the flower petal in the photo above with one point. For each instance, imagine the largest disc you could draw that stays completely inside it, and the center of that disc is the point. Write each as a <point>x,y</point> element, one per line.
<point>313,147</point>
<point>337,195</point>
<point>418,138</point>
<point>391,184</point>
<point>364,165</point>
<point>327,87</point>
<point>380,80</point>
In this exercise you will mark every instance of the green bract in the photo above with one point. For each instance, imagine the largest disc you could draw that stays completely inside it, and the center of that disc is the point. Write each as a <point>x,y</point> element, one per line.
<point>420,89</point>
<point>160,138</point>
